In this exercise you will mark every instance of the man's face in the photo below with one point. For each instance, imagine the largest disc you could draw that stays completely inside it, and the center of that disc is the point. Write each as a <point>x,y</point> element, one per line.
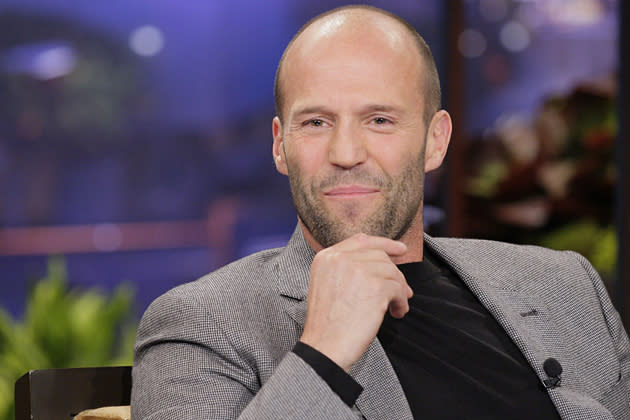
<point>353,136</point>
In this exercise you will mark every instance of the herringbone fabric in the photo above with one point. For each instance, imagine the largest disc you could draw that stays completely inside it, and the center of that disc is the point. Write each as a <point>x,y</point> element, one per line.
<point>219,348</point>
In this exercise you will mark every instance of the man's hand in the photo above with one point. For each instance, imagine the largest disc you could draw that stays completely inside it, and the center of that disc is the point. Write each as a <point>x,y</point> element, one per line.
<point>353,283</point>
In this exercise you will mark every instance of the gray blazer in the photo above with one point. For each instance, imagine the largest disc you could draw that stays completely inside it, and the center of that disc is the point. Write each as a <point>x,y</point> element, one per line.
<point>219,348</point>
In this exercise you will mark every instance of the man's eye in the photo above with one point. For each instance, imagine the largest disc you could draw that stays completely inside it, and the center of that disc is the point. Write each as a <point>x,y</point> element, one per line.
<point>381,120</point>
<point>315,123</point>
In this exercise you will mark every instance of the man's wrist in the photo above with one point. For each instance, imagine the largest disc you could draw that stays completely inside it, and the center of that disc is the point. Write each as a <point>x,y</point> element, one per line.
<point>337,379</point>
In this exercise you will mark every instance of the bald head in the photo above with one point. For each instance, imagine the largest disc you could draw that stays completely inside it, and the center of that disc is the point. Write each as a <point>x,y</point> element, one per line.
<point>351,24</point>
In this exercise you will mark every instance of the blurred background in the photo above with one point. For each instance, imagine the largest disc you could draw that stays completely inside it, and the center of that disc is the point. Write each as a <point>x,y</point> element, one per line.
<point>135,144</point>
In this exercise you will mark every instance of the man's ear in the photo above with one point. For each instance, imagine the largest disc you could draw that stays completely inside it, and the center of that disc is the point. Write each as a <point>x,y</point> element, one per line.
<point>279,157</point>
<point>438,138</point>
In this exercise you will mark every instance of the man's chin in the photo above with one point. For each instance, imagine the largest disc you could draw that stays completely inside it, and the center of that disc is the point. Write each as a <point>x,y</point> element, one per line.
<point>350,219</point>
<point>335,234</point>
<point>337,223</point>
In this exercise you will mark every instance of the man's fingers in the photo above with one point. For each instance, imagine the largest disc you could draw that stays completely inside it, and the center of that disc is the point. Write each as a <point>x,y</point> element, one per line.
<point>399,303</point>
<point>383,267</point>
<point>363,241</point>
<point>373,255</point>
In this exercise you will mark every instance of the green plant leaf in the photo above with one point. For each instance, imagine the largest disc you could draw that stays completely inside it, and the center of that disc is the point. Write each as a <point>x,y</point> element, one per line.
<point>63,327</point>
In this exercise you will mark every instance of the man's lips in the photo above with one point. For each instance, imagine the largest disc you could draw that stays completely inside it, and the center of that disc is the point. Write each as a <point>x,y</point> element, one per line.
<point>350,191</point>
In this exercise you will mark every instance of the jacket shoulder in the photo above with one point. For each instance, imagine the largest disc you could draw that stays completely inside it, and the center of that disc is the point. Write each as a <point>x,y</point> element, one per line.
<point>486,246</point>
<point>525,267</point>
<point>254,273</point>
<point>236,301</point>
<point>493,254</point>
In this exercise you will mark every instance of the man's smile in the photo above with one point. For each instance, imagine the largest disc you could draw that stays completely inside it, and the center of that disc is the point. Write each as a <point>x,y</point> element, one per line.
<point>351,191</point>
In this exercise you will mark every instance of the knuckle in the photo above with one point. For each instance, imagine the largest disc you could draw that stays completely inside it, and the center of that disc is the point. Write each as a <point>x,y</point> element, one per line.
<point>402,288</point>
<point>334,255</point>
<point>327,254</point>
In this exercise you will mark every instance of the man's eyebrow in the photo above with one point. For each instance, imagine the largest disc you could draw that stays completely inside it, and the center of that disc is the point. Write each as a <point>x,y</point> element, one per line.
<point>318,109</point>
<point>381,108</point>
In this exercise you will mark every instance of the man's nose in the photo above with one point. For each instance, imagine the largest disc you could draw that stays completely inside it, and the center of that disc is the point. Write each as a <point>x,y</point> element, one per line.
<point>347,146</point>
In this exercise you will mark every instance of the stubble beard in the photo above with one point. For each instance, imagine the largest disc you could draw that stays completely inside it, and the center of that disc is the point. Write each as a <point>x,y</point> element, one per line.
<point>402,199</point>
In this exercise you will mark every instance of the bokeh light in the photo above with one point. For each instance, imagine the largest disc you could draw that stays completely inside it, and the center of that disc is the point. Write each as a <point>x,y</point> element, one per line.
<point>146,41</point>
<point>514,36</point>
<point>471,43</point>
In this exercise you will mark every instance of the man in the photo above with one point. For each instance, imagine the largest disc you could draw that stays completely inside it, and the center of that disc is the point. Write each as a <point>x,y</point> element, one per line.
<point>361,315</point>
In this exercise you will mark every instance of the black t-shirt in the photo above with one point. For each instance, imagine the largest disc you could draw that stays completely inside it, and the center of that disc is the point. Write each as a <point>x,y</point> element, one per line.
<point>453,360</point>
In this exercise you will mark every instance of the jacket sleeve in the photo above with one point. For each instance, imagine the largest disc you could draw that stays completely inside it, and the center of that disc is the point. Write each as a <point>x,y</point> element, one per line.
<point>185,366</point>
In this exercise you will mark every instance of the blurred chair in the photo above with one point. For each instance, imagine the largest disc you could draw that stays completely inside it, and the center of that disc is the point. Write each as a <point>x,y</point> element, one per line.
<point>60,394</point>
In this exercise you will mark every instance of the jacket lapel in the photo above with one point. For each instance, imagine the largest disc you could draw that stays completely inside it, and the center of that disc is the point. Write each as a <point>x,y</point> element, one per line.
<point>524,316</point>
<point>382,395</point>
